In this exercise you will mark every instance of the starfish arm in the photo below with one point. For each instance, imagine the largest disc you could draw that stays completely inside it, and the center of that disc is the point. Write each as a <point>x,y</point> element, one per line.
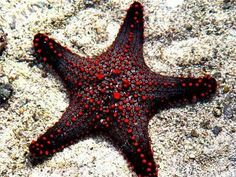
<point>74,125</point>
<point>63,61</point>
<point>130,37</point>
<point>173,90</point>
<point>134,143</point>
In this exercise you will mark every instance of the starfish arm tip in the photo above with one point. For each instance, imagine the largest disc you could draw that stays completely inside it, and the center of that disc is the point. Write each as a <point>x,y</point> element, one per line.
<point>179,90</point>
<point>72,126</point>
<point>130,37</point>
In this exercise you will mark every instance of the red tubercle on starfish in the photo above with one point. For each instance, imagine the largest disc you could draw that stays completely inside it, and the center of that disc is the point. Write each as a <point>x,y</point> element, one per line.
<point>116,95</point>
<point>100,76</point>
<point>116,71</point>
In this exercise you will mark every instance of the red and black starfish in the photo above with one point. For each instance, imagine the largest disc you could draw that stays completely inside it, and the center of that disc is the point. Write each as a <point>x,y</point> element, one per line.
<point>115,94</point>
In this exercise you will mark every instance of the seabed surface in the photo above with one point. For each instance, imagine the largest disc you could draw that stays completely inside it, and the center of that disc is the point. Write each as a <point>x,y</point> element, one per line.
<point>181,37</point>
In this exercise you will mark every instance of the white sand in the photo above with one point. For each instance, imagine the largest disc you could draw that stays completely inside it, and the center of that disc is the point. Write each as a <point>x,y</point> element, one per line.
<point>185,36</point>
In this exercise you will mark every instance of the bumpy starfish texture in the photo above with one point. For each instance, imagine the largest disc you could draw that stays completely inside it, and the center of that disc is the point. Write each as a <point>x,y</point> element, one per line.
<point>115,94</point>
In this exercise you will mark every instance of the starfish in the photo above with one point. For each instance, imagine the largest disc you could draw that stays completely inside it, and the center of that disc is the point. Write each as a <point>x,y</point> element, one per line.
<point>114,94</point>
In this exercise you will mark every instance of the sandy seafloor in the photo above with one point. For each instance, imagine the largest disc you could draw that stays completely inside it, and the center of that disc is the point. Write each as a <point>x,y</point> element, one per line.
<point>181,37</point>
